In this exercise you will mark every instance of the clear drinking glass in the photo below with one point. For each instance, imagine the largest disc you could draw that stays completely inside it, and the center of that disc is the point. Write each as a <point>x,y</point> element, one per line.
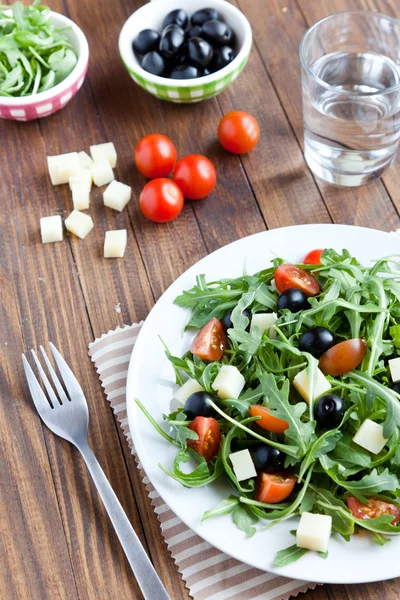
<point>351,96</point>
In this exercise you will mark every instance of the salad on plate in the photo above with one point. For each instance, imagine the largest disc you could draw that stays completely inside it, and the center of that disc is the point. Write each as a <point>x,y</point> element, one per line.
<point>291,392</point>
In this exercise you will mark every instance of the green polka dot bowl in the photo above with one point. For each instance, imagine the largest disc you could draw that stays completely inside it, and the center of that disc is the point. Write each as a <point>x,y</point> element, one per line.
<point>150,16</point>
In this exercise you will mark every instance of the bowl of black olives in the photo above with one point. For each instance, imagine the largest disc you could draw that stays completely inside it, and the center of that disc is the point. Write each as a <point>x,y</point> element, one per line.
<point>185,50</point>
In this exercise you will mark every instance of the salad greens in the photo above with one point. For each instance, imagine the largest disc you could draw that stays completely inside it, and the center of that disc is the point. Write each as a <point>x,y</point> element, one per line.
<point>34,55</point>
<point>355,301</point>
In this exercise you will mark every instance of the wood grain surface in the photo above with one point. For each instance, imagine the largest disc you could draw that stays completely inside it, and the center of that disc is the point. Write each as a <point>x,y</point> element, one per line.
<point>55,539</point>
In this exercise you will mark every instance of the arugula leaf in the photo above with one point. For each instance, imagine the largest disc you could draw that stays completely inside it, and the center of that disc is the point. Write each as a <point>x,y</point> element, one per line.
<point>247,342</point>
<point>330,505</point>
<point>203,474</point>
<point>322,445</point>
<point>244,519</point>
<point>289,555</point>
<point>224,508</point>
<point>395,333</point>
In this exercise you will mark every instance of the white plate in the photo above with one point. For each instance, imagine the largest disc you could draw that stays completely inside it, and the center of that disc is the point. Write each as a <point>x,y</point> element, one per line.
<point>150,378</point>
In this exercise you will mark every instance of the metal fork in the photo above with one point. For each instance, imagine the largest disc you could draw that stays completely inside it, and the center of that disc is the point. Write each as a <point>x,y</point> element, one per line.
<point>68,417</point>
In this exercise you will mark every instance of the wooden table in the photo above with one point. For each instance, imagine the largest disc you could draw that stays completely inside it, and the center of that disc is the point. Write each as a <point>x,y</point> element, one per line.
<point>55,539</point>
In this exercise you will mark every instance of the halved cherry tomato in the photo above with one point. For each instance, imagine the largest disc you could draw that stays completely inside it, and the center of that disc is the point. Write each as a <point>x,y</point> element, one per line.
<point>155,156</point>
<point>238,132</point>
<point>209,434</point>
<point>161,200</point>
<point>288,277</point>
<point>313,257</point>
<point>268,421</point>
<point>274,488</point>
<point>343,357</point>
<point>375,508</point>
<point>210,342</point>
<point>196,176</point>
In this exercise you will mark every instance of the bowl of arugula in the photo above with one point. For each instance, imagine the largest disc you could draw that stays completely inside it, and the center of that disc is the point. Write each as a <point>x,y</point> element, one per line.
<point>43,61</point>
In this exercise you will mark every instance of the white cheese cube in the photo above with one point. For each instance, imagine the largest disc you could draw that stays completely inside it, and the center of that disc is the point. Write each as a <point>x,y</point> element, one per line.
<point>52,163</point>
<point>301,384</point>
<point>264,321</point>
<point>229,382</point>
<point>314,532</point>
<point>187,389</point>
<point>243,465</point>
<point>117,195</point>
<point>84,176</point>
<point>80,196</point>
<point>115,243</point>
<point>51,229</point>
<point>84,160</point>
<point>106,151</point>
<point>394,366</point>
<point>67,165</point>
<point>102,173</point>
<point>79,224</point>
<point>370,436</point>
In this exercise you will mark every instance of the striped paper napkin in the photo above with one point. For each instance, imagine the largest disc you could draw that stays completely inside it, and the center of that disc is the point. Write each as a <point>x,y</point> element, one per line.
<point>208,573</point>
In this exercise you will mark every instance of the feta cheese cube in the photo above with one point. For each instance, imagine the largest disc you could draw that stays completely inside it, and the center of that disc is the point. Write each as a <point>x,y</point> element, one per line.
<point>115,243</point>
<point>106,151</point>
<point>51,229</point>
<point>229,382</point>
<point>117,195</point>
<point>370,436</point>
<point>79,224</point>
<point>243,465</point>
<point>187,389</point>
<point>63,166</point>
<point>314,532</point>
<point>84,176</point>
<point>80,196</point>
<point>84,160</point>
<point>264,321</point>
<point>301,384</point>
<point>394,366</point>
<point>102,173</point>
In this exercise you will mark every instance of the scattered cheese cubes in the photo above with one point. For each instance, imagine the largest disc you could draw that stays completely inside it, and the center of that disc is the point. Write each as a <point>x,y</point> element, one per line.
<point>187,389</point>
<point>264,321</point>
<point>84,160</point>
<point>394,366</point>
<point>104,151</point>
<point>102,172</point>
<point>301,384</point>
<point>62,167</point>
<point>79,224</point>
<point>84,176</point>
<point>229,382</point>
<point>117,195</point>
<point>80,196</point>
<point>51,229</point>
<point>115,243</point>
<point>243,465</point>
<point>370,436</point>
<point>314,532</point>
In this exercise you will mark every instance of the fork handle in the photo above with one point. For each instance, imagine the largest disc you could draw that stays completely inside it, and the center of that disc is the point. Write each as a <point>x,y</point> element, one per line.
<point>146,576</point>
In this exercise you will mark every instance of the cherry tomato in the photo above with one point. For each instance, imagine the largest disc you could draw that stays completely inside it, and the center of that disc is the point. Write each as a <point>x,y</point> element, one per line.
<point>343,357</point>
<point>209,434</point>
<point>238,132</point>
<point>155,156</point>
<point>196,176</point>
<point>268,421</point>
<point>161,200</point>
<point>375,508</point>
<point>274,488</point>
<point>313,257</point>
<point>210,342</point>
<point>288,277</point>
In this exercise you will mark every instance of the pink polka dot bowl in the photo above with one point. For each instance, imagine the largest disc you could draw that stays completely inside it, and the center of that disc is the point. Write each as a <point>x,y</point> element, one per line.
<point>46,103</point>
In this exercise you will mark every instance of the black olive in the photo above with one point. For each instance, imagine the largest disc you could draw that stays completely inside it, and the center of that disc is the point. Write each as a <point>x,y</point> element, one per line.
<point>222,57</point>
<point>396,387</point>
<point>203,15</point>
<point>205,73</point>
<point>200,52</point>
<point>329,411</point>
<point>184,71</point>
<point>146,41</point>
<point>226,320</point>
<point>172,40</point>
<point>176,17</point>
<point>317,341</point>
<point>197,406</point>
<point>154,63</point>
<point>217,33</point>
<point>266,458</point>
<point>194,32</point>
<point>294,299</point>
